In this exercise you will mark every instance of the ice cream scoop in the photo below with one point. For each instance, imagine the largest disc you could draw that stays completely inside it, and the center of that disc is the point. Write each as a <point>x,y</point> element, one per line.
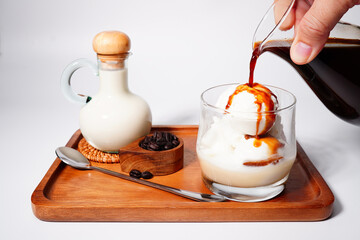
<point>250,108</point>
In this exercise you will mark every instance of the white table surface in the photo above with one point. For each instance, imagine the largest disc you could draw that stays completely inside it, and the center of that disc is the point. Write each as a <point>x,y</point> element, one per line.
<point>180,48</point>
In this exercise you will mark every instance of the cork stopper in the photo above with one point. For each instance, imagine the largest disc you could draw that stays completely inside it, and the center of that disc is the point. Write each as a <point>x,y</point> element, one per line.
<point>111,46</point>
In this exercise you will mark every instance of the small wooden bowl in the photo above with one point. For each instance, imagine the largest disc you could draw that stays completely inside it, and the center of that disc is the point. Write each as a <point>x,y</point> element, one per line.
<point>159,163</point>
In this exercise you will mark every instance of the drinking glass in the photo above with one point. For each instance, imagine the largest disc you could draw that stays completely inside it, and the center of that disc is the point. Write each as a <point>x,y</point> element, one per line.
<point>242,167</point>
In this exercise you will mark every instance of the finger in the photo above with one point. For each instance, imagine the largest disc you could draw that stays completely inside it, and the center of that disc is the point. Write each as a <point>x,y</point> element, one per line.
<point>301,7</point>
<point>314,28</point>
<point>279,10</point>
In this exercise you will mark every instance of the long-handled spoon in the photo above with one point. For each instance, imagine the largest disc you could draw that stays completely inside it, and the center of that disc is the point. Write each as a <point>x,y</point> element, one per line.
<point>75,159</point>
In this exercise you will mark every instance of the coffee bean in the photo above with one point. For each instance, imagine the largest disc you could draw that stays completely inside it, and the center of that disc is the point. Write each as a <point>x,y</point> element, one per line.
<point>158,136</point>
<point>162,143</point>
<point>175,142</point>
<point>146,175</point>
<point>135,173</point>
<point>153,146</point>
<point>168,146</point>
<point>147,139</point>
<point>168,136</point>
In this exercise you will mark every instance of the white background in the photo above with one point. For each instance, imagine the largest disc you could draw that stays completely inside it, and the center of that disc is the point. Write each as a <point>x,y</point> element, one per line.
<point>179,48</point>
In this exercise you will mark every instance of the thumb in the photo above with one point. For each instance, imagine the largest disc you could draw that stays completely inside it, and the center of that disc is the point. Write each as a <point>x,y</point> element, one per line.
<point>313,30</point>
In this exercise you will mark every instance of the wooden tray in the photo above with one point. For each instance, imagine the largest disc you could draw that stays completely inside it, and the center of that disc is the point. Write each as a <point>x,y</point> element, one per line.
<point>67,194</point>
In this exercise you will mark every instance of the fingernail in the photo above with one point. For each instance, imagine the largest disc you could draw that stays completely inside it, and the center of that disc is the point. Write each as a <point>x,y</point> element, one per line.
<point>301,53</point>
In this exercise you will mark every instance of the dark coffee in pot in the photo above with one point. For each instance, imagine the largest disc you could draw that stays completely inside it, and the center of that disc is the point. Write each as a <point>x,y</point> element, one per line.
<point>334,75</point>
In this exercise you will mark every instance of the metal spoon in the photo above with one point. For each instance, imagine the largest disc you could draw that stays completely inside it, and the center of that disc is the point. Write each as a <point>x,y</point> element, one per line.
<point>75,159</point>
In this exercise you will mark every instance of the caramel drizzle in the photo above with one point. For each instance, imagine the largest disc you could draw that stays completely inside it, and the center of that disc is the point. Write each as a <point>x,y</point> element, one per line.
<point>274,160</point>
<point>273,145</point>
<point>262,96</point>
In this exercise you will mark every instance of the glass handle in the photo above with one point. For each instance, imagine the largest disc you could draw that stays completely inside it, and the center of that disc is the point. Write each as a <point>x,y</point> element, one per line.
<point>66,80</point>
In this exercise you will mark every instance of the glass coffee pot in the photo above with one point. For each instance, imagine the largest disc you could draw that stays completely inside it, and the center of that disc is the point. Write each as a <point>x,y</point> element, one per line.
<point>114,117</point>
<point>334,75</point>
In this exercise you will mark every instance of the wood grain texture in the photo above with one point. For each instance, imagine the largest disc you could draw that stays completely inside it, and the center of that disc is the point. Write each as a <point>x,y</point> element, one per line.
<point>159,163</point>
<point>67,194</point>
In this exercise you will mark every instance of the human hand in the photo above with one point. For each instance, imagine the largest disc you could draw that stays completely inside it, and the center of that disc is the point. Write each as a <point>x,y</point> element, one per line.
<point>312,20</point>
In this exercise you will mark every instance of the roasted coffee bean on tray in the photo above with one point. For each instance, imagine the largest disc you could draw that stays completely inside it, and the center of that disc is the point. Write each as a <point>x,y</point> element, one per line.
<point>160,141</point>
<point>135,173</point>
<point>146,175</point>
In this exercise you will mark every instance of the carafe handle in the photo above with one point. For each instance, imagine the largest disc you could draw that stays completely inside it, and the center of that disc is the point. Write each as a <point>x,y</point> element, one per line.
<point>66,80</point>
